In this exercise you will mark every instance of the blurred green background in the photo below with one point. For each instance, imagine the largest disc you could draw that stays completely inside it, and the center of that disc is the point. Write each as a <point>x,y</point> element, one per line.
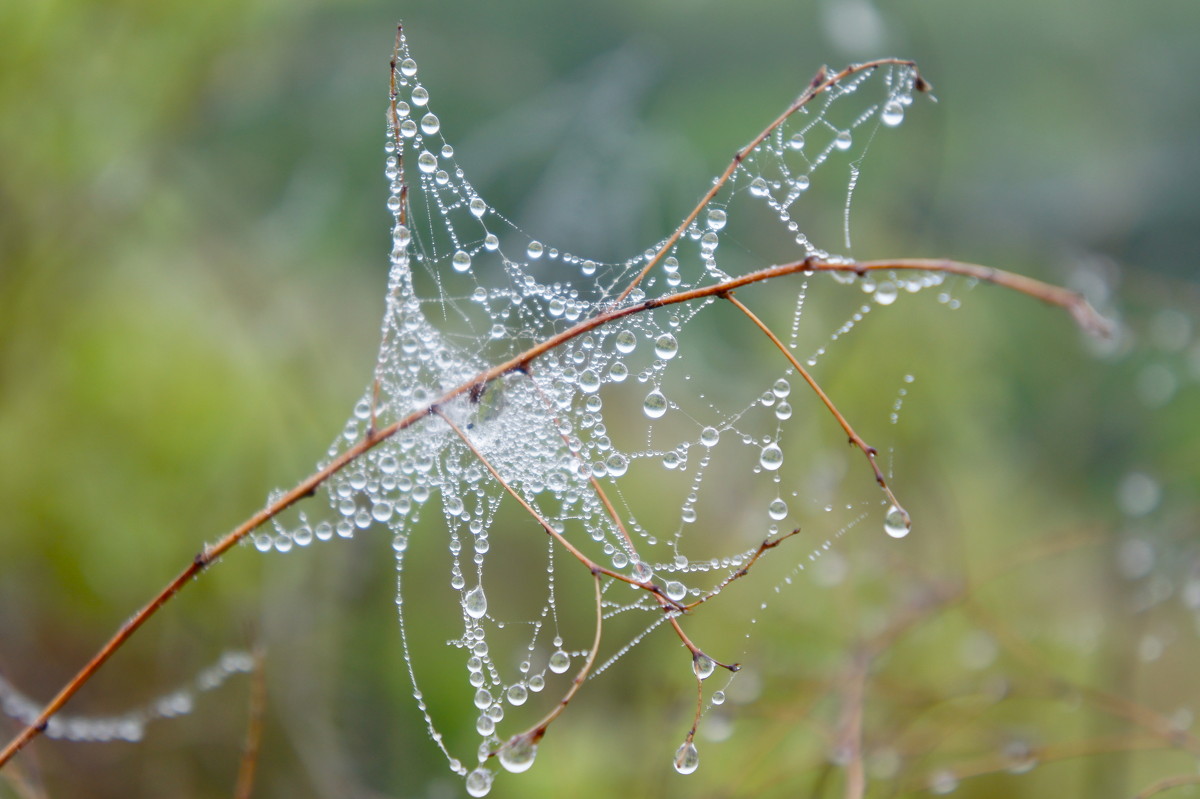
<point>192,255</point>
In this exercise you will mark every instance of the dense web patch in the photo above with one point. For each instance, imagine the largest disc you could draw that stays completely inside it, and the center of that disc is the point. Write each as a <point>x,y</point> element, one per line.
<point>559,432</point>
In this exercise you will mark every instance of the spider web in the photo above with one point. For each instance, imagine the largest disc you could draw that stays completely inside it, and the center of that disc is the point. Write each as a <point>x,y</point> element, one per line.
<point>567,432</point>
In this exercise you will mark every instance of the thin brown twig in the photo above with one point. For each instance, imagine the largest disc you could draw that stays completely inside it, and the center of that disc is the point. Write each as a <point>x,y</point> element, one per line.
<point>855,439</point>
<point>821,83</point>
<point>1083,313</point>
<point>1166,784</point>
<point>254,727</point>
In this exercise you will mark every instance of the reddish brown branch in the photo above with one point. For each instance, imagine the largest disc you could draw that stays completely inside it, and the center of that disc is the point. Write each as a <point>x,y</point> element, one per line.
<point>254,727</point>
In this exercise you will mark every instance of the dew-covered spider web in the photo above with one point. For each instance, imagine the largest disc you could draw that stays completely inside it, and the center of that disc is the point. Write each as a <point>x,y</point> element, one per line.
<point>606,452</point>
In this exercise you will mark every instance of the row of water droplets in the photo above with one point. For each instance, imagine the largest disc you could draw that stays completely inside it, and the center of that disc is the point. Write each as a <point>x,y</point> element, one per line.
<point>458,303</point>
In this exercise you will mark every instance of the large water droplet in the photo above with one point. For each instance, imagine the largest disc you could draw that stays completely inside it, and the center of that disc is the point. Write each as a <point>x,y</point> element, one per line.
<point>478,207</point>
<point>893,113</point>
<point>675,590</point>
<point>709,436</point>
<point>517,695</point>
<point>716,219</point>
<point>625,341</point>
<point>461,261</point>
<point>517,754</point>
<point>687,759</point>
<point>778,509</point>
<point>560,661</point>
<point>589,381</point>
<point>479,782</point>
<point>655,406</point>
<point>771,457</point>
<point>408,67</point>
<point>535,250</point>
<point>665,346</point>
<point>475,603</point>
<point>843,140</point>
<point>896,523</point>
<point>703,665</point>
<point>430,124</point>
<point>759,188</point>
<point>796,142</point>
<point>886,292</point>
<point>427,162</point>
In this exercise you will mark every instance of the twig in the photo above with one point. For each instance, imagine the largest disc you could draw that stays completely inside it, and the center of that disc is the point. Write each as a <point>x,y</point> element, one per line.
<point>1166,784</point>
<point>254,727</point>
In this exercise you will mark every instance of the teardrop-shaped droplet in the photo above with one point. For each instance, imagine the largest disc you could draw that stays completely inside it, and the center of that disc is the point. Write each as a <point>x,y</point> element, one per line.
<point>589,381</point>
<point>896,523</point>
<point>675,590</point>
<point>625,341</point>
<point>893,113</point>
<point>886,292</point>
<point>709,436</point>
<point>478,207</point>
<point>427,162</point>
<point>843,140</point>
<point>517,694</point>
<point>778,509</point>
<point>716,219</point>
<point>461,261</point>
<point>475,603</point>
<point>759,188</point>
<point>665,346</point>
<point>771,457</point>
<point>517,754</point>
<point>796,142</point>
<point>535,250</point>
<point>703,665</point>
<point>560,661</point>
<point>479,782</point>
<point>655,405</point>
<point>430,124</point>
<point>687,759</point>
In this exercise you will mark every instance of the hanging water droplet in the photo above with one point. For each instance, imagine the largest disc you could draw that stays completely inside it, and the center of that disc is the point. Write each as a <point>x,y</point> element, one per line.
<point>709,242</point>
<point>483,698</point>
<point>625,341</point>
<point>427,162</point>
<point>893,113</point>
<point>716,219</point>
<point>617,465</point>
<point>759,188</point>
<point>479,782</point>
<point>675,590</point>
<point>535,250</point>
<point>843,140</point>
<point>709,436</point>
<point>478,207</point>
<point>491,242</point>
<point>801,182</point>
<point>408,128</point>
<point>430,124</point>
<point>896,523</point>
<point>796,142</point>
<point>771,457</point>
<point>589,381</point>
<point>687,759</point>
<point>560,661</point>
<point>778,509</point>
<point>420,95</point>
<point>886,293</point>
<point>703,665</point>
<point>781,388</point>
<point>783,410</point>
<point>517,754</point>
<point>665,346</point>
<point>461,261</point>
<point>475,603</point>
<point>718,697</point>
<point>517,695</point>
<point>655,405</point>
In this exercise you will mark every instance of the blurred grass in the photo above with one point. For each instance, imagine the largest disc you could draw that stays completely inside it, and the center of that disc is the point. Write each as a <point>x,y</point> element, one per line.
<point>192,242</point>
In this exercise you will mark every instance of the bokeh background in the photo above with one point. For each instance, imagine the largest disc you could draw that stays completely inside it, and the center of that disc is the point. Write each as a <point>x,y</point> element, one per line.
<point>192,254</point>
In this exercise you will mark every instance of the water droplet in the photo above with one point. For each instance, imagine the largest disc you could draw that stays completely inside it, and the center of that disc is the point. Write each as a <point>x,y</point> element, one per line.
<point>408,67</point>
<point>535,250</point>
<point>625,342</point>
<point>517,754</point>
<point>617,465</point>
<point>461,261</point>
<point>778,509</point>
<point>475,602</point>
<point>801,182</point>
<point>430,124</point>
<point>483,698</point>
<point>783,410</point>
<point>796,142</point>
<point>589,381</point>
<point>675,590</point>
<point>709,436</point>
<point>479,782</point>
<point>886,293</point>
<point>420,95</point>
<point>771,457</point>
<point>655,406</point>
<point>893,113</point>
<point>759,188</point>
<point>408,128</point>
<point>560,661</point>
<point>687,759</point>
<point>716,219</point>
<point>718,697</point>
<point>896,523</point>
<point>703,665</point>
<point>478,208</point>
<point>517,695</point>
<point>665,346</point>
<point>843,140</point>
<point>427,162</point>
